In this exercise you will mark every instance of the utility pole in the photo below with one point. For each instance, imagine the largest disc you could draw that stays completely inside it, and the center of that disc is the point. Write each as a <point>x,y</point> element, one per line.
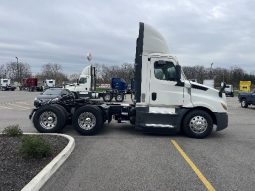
<point>211,70</point>
<point>17,75</point>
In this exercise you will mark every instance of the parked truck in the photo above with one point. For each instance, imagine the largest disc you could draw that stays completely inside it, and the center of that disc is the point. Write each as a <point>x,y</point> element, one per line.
<point>30,84</point>
<point>164,99</point>
<point>48,83</point>
<point>247,98</point>
<point>5,85</point>
<point>86,87</point>
<point>229,90</point>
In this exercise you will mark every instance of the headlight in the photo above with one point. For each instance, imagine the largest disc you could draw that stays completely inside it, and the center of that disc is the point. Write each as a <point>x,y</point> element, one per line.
<point>55,99</point>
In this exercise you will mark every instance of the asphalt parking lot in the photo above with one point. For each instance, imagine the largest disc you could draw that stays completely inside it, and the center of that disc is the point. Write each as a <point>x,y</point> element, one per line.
<point>120,158</point>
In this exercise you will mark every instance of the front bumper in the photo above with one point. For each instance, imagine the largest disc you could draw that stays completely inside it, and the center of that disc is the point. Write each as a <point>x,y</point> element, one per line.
<point>222,121</point>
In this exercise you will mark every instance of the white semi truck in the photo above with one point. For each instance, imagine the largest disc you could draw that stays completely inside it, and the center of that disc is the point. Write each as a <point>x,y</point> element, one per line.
<point>86,87</point>
<point>164,99</point>
<point>5,85</point>
<point>86,84</point>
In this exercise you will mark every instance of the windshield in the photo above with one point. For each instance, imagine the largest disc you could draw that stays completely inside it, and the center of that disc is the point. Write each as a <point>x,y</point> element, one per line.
<point>52,92</point>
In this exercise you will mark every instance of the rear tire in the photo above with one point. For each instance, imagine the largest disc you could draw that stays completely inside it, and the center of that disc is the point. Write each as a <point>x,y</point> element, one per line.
<point>88,120</point>
<point>198,124</point>
<point>244,103</point>
<point>119,97</point>
<point>107,97</point>
<point>65,112</point>
<point>49,119</point>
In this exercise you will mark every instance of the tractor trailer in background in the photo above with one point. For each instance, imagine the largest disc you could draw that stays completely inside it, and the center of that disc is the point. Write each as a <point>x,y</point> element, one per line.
<point>30,84</point>
<point>86,87</point>
<point>33,84</point>
<point>5,85</point>
<point>164,99</point>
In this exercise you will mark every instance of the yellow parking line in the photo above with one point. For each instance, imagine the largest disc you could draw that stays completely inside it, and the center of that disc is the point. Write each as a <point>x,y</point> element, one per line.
<point>193,166</point>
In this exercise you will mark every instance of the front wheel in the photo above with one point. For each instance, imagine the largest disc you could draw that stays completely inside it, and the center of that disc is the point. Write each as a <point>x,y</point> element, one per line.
<point>107,97</point>
<point>49,119</point>
<point>198,124</point>
<point>244,103</point>
<point>88,120</point>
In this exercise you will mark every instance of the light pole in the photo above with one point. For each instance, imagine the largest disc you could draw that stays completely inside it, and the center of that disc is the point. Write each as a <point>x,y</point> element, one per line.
<point>17,68</point>
<point>211,69</point>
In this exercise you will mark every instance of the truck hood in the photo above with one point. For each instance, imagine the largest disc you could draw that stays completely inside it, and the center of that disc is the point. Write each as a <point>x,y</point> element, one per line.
<point>205,96</point>
<point>196,85</point>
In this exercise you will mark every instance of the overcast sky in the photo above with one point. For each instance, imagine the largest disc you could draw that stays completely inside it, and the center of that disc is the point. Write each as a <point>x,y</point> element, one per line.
<point>198,32</point>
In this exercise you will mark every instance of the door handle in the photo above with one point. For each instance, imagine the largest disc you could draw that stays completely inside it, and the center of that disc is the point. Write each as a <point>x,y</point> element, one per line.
<point>153,96</point>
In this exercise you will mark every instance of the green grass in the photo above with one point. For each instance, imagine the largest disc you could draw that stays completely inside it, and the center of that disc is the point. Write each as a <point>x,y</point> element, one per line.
<point>12,131</point>
<point>35,147</point>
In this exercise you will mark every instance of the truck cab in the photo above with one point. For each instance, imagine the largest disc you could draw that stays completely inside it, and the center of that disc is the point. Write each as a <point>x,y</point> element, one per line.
<point>86,82</point>
<point>50,83</point>
<point>165,99</point>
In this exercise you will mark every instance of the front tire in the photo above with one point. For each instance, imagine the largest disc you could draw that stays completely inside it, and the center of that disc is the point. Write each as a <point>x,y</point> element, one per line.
<point>198,124</point>
<point>49,119</point>
<point>88,120</point>
<point>244,103</point>
<point>107,97</point>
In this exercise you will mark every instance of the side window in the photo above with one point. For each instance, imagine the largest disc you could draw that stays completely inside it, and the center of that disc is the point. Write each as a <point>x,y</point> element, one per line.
<point>83,81</point>
<point>164,70</point>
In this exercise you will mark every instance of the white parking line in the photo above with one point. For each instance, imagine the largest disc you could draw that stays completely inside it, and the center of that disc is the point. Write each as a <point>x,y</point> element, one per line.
<point>15,105</point>
<point>4,107</point>
<point>24,103</point>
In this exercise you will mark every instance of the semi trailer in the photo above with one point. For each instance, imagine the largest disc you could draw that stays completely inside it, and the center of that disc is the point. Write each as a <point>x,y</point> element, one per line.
<point>164,99</point>
<point>30,84</point>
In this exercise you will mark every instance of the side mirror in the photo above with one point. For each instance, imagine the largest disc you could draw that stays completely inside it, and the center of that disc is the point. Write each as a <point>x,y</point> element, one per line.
<point>178,73</point>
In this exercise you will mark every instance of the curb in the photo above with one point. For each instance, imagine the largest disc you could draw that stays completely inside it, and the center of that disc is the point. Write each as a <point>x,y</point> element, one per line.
<point>41,178</point>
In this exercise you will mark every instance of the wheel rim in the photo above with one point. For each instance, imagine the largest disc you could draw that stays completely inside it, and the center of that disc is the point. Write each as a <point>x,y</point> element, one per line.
<point>119,97</point>
<point>198,124</point>
<point>48,120</point>
<point>243,103</point>
<point>87,120</point>
<point>107,97</point>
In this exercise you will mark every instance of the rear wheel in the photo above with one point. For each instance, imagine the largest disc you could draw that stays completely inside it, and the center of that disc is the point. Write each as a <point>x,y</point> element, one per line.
<point>119,97</point>
<point>49,119</point>
<point>197,124</point>
<point>107,97</point>
<point>67,120</point>
<point>88,120</point>
<point>244,103</point>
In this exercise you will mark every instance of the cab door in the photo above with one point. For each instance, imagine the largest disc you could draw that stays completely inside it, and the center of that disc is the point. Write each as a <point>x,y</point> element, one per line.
<point>165,91</point>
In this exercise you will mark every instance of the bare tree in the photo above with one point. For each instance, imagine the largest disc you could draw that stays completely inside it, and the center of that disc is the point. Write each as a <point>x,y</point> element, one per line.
<point>73,77</point>
<point>2,71</point>
<point>125,71</point>
<point>17,71</point>
<point>52,71</point>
